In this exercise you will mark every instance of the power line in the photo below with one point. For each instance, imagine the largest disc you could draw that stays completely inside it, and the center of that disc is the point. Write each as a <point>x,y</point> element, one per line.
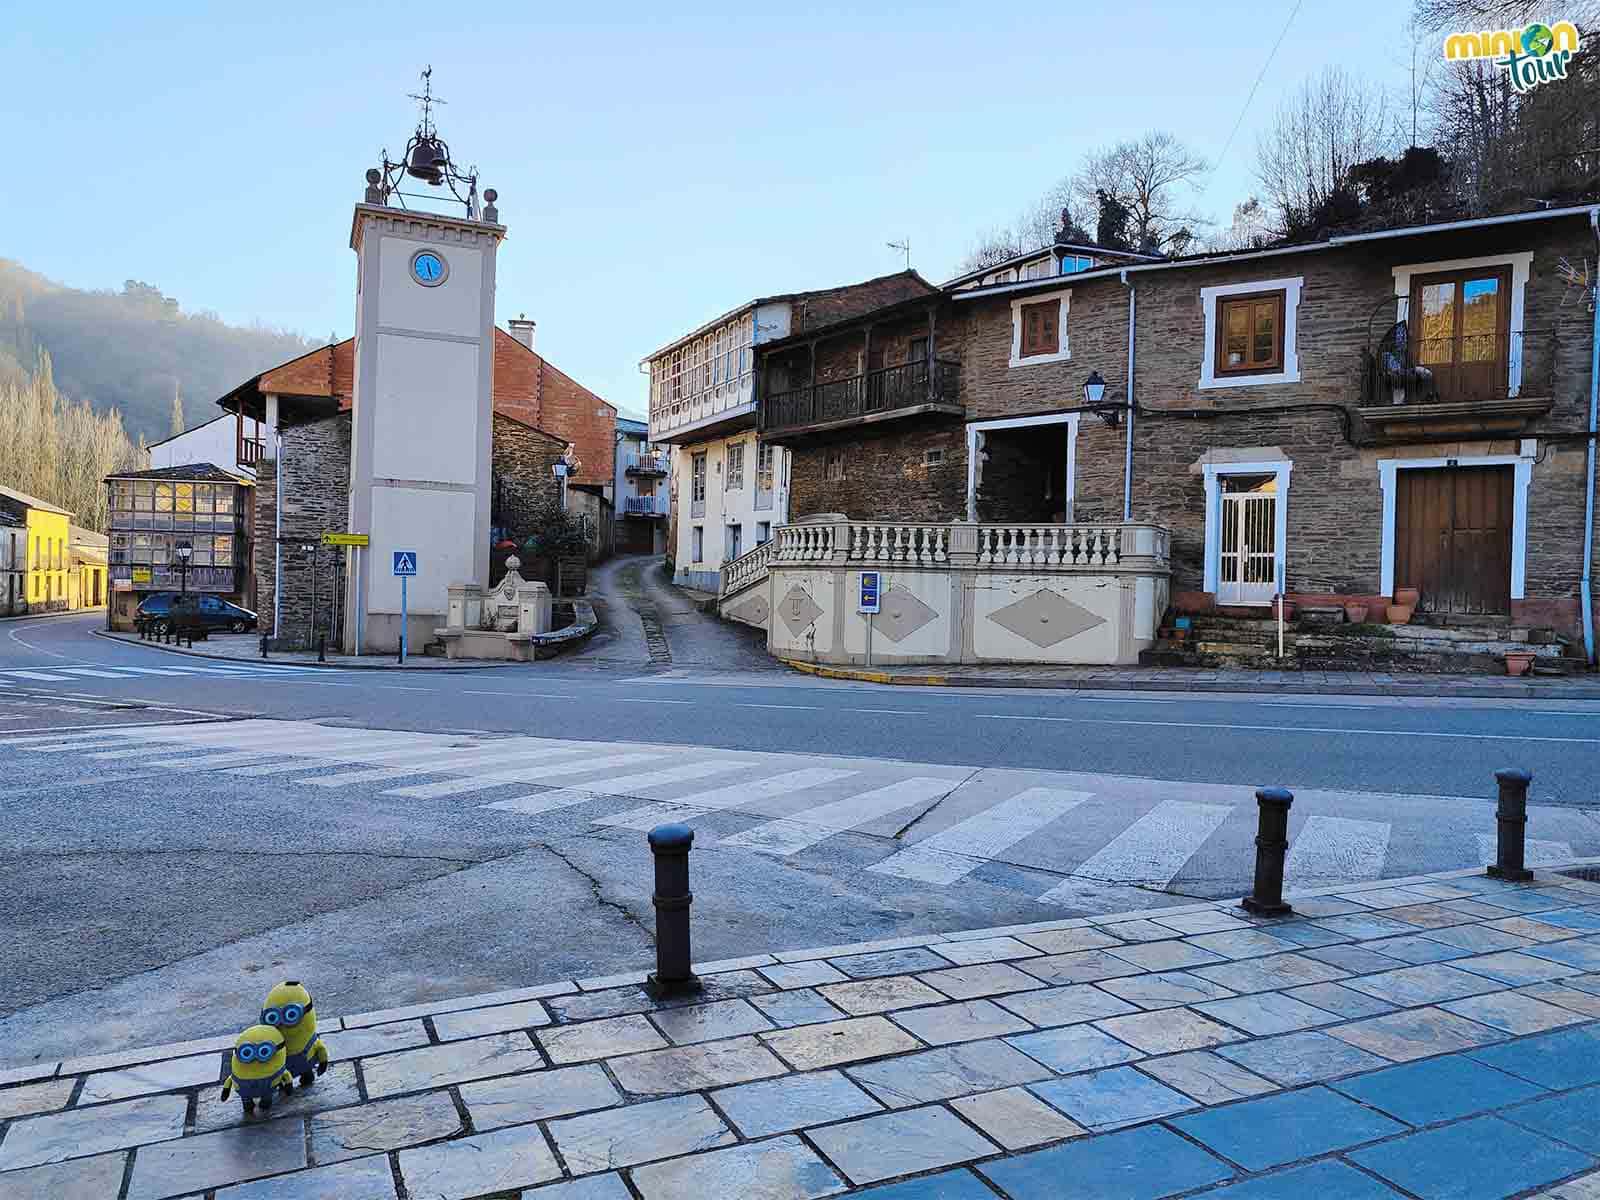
<point>1271,54</point>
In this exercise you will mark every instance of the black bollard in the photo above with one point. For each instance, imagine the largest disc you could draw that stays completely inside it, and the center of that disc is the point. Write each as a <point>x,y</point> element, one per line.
<point>673,976</point>
<point>322,652</point>
<point>1511,818</point>
<point>1272,843</point>
<point>263,645</point>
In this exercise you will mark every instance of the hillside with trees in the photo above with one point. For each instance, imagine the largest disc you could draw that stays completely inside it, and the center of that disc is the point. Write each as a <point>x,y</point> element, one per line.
<point>129,352</point>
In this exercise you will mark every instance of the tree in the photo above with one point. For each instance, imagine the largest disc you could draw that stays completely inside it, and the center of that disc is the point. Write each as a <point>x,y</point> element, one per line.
<point>1251,228</point>
<point>60,451</point>
<point>178,425</point>
<point>1033,228</point>
<point>1303,162</point>
<point>1147,177</point>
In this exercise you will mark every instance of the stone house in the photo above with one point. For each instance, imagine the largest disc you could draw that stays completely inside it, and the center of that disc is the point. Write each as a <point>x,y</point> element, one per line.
<point>1336,419</point>
<point>307,465</point>
<point>727,486</point>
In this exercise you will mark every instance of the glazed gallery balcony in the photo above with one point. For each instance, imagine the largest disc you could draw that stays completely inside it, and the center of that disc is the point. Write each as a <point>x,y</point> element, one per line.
<point>907,390</point>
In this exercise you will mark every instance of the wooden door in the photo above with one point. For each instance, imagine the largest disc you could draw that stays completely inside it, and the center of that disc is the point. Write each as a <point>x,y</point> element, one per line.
<point>1452,528</point>
<point>1461,324</point>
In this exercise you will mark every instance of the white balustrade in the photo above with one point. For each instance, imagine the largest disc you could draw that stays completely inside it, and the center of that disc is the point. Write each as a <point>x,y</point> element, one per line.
<point>873,542</point>
<point>1049,545</point>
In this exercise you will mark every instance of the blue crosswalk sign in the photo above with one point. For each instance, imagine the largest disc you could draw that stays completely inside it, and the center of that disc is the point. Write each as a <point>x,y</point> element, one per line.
<point>405,562</point>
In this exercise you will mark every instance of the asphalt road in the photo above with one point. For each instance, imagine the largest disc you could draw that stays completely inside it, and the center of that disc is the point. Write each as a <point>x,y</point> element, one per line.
<point>170,844</point>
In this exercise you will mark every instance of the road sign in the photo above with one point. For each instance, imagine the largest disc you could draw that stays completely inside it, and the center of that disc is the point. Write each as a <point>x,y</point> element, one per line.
<point>870,581</point>
<point>405,562</point>
<point>345,539</point>
<point>141,575</point>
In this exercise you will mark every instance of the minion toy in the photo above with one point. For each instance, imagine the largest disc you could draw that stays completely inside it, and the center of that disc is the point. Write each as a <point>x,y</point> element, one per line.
<point>287,1009</point>
<point>257,1068</point>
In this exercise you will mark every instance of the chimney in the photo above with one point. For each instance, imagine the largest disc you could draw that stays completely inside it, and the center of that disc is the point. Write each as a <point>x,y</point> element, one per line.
<point>522,329</point>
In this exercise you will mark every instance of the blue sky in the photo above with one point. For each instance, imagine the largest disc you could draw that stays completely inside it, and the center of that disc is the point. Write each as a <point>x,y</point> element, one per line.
<point>656,165</point>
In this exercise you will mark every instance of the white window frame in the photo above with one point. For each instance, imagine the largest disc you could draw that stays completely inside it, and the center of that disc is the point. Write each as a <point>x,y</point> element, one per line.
<point>1281,470</point>
<point>1209,378</point>
<point>1063,351</point>
<point>734,476</point>
<point>1523,476</point>
<point>1521,264</point>
<point>697,543</point>
<point>977,429</point>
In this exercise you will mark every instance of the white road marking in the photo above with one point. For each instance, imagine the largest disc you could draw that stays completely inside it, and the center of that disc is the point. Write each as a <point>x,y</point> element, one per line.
<point>40,675</point>
<point>435,763</point>
<point>1151,851</point>
<point>1337,850</point>
<point>90,671</point>
<point>532,806</point>
<point>626,785</point>
<point>1535,853</point>
<point>452,787</point>
<point>195,762</point>
<point>1420,733</point>
<point>698,804</point>
<point>955,852</point>
<point>813,706</point>
<point>790,835</point>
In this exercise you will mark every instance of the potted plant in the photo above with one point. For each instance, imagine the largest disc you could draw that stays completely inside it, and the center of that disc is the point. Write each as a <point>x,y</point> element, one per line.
<point>1407,597</point>
<point>1518,662</point>
<point>1398,614</point>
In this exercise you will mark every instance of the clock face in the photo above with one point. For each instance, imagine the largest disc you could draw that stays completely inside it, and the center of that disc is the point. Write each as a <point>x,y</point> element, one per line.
<point>428,268</point>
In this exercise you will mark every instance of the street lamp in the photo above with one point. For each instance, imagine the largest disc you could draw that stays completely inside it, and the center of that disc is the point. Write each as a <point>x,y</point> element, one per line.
<point>1094,394</point>
<point>183,550</point>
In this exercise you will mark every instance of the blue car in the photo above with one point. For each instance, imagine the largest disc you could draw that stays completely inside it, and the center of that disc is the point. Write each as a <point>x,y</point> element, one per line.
<point>164,610</point>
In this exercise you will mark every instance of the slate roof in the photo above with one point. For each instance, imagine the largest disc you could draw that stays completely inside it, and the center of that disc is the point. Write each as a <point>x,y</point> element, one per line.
<point>188,473</point>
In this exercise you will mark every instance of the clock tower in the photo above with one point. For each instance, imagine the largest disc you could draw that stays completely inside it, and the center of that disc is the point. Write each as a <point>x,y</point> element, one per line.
<point>422,396</point>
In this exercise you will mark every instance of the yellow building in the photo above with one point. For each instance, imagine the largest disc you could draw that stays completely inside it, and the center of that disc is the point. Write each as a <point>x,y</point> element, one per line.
<point>47,536</point>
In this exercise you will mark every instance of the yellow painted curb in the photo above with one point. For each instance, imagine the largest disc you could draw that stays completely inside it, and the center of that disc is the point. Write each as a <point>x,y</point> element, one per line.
<point>861,676</point>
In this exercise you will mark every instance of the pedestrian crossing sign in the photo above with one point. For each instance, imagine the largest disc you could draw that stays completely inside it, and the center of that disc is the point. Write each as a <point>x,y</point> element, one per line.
<point>405,562</point>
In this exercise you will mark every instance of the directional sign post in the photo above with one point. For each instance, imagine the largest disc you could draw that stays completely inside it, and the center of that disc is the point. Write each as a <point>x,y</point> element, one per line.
<point>870,603</point>
<point>405,566</point>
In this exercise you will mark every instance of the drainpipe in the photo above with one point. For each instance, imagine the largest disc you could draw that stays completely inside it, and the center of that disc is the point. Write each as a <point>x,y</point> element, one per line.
<point>1127,464</point>
<point>1586,588</point>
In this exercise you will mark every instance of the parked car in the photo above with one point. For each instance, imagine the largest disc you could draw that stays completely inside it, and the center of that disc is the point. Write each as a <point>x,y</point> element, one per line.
<point>162,609</point>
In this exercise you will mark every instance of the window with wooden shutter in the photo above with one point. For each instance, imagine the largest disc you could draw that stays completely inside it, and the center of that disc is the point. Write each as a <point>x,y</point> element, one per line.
<point>1040,328</point>
<point>1250,334</point>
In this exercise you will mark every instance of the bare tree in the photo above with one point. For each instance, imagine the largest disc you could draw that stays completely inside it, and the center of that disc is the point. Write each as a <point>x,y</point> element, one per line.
<point>1251,228</point>
<point>1331,123</point>
<point>1148,175</point>
<point>1032,229</point>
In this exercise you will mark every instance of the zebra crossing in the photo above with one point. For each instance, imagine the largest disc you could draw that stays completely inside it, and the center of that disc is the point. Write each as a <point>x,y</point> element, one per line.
<point>1072,842</point>
<point>55,674</point>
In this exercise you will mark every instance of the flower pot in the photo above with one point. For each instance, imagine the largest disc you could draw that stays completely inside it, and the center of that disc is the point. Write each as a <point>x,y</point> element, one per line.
<point>1355,611</point>
<point>1398,614</point>
<point>1377,612</point>
<point>1407,596</point>
<point>1518,662</point>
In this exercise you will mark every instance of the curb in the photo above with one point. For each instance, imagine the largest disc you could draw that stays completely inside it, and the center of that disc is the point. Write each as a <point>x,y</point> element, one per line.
<point>268,662</point>
<point>1505,691</point>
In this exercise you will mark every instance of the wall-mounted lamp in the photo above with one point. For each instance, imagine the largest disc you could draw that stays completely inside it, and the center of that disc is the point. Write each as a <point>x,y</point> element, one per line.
<point>1094,395</point>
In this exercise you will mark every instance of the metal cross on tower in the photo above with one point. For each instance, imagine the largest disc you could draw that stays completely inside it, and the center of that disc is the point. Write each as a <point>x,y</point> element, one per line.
<point>427,100</point>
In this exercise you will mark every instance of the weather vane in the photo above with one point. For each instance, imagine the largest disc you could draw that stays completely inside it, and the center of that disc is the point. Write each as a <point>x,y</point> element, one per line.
<point>427,157</point>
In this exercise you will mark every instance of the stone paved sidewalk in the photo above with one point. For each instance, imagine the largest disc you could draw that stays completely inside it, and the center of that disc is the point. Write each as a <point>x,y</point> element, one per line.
<point>1199,679</point>
<point>1436,1038</point>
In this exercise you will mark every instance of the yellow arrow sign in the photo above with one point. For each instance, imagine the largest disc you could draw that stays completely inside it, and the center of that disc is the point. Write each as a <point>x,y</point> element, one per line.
<point>345,539</point>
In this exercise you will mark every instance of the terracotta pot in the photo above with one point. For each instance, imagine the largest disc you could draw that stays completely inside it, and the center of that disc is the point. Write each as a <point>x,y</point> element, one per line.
<point>1355,611</point>
<point>1518,662</point>
<point>1407,596</point>
<point>1377,612</point>
<point>1398,614</point>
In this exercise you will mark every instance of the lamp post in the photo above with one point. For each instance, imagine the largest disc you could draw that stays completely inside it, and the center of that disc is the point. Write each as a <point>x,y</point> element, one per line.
<point>183,550</point>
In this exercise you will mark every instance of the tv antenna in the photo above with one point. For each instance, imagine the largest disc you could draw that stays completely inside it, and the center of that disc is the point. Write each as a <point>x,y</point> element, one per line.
<point>904,247</point>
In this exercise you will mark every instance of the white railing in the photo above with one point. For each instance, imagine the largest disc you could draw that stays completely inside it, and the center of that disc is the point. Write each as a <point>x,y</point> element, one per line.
<point>805,543</point>
<point>749,568</point>
<point>644,506</point>
<point>1049,545</point>
<point>997,546</point>
<point>873,542</point>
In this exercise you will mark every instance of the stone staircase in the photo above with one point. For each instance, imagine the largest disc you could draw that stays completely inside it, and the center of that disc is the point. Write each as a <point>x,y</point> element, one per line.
<point>1232,639</point>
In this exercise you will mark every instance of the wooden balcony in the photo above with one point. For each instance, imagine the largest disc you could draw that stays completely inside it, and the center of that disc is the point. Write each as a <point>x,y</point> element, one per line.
<point>907,390</point>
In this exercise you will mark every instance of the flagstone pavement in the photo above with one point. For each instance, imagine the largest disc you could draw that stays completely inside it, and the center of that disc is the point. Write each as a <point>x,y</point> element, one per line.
<point>1435,1038</point>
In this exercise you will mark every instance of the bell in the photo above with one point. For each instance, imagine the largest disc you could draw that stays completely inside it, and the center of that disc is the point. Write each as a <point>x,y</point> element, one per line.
<point>427,161</point>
